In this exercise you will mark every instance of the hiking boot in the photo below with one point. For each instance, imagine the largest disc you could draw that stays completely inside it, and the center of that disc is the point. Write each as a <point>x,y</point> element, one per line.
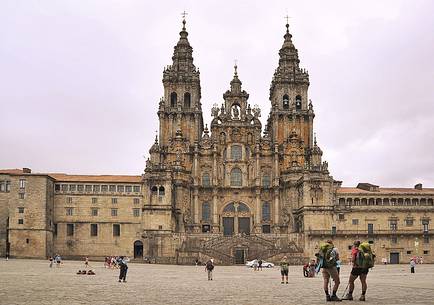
<point>334,298</point>
<point>328,298</point>
<point>362,298</point>
<point>348,297</point>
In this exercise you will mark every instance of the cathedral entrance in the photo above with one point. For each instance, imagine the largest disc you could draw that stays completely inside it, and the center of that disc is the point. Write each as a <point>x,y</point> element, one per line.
<point>236,219</point>
<point>138,249</point>
<point>240,257</point>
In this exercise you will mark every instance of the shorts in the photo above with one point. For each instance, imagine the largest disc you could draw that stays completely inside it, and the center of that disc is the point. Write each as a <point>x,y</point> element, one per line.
<point>359,271</point>
<point>331,272</point>
<point>284,272</point>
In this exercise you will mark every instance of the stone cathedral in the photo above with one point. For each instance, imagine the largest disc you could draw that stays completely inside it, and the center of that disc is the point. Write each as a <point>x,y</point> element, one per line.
<point>233,190</point>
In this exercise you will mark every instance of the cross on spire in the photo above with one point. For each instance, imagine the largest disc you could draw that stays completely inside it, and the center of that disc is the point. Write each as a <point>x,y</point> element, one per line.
<point>287,23</point>
<point>183,14</point>
<point>235,67</point>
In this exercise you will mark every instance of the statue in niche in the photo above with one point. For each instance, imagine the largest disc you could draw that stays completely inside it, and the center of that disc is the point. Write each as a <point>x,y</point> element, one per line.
<point>222,138</point>
<point>235,112</point>
<point>215,111</point>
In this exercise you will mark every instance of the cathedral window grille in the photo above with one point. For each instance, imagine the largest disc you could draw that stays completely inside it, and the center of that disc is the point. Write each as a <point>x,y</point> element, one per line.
<point>94,212</point>
<point>298,102</point>
<point>187,100</point>
<point>72,187</point>
<point>104,188</point>
<point>80,187</point>
<point>206,180</point>
<point>236,177</point>
<point>128,188</point>
<point>96,188</point>
<point>88,188</point>
<point>393,225</point>
<point>266,215</point>
<point>236,153</point>
<point>114,212</point>
<point>94,200</point>
<point>136,212</point>
<point>266,180</point>
<point>136,189</point>
<point>114,200</point>
<point>206,212</point>
<point>285,101</point>
<point>173,99</point>
<point>112,188</point>
<point>120,188</point>
<point>161,191</point>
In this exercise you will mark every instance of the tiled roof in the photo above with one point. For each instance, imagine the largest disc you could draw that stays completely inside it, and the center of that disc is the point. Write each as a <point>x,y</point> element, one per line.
<point>15,171</point>
<point>96,178</point>
<point>386,191</point>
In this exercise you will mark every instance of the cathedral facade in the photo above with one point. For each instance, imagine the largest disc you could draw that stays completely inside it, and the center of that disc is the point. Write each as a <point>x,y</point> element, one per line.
<point>234,191</point>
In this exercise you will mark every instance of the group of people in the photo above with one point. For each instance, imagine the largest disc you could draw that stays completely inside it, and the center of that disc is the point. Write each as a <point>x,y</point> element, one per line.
<point>57,259</point>
<point>112,262</point>
<point>309,269</point>
<point>362,259</point>
<point>118,262</point>
<point>257,264</point>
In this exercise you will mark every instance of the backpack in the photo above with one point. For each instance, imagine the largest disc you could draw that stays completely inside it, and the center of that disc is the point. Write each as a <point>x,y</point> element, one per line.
<point>209,265</point>
<point>327,255</point>
<point>365,257</point>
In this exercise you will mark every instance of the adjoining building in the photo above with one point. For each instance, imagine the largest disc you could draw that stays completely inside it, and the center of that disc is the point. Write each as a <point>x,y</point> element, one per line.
<point>233,191</point>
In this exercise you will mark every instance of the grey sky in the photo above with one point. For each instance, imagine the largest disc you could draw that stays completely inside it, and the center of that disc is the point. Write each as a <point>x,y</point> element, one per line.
<point>80,81</point>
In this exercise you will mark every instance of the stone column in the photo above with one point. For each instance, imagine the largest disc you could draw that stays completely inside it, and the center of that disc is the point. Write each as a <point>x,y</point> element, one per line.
<point>258,210</point>
<point>196,205</point>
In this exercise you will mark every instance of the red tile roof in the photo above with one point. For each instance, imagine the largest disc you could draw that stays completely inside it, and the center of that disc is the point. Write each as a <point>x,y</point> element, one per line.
<point>386,191</point>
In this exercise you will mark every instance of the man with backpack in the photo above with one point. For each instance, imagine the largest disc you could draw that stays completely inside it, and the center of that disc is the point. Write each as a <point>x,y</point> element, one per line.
<point>327,257</point>
<point>123,265</point>
<point>362,259</point>
<point>209,267</point>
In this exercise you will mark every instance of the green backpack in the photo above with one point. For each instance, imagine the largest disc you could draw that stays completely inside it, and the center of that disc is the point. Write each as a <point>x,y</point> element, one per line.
<point>365,257</point>
<point>327,255</point>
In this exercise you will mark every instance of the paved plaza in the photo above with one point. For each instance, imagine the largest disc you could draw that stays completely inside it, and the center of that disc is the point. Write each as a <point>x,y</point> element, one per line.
<point>33,282</point>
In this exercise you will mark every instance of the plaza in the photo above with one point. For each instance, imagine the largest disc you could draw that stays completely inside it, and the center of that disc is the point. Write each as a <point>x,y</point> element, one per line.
<point>33,282</point>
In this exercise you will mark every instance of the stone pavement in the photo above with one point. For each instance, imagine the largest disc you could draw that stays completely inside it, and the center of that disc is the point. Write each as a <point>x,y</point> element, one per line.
<point>33,282</point>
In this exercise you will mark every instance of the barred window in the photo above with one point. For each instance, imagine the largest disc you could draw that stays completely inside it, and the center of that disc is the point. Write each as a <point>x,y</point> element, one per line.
<point>120,188</point>
<point>128,188</point>
<point>22,183</point>
<point>112,188</point>
<point>8,186</point>
<point>136,212</point>
<point>68,199</point>
<point>80,187</point>
<point>114,200</point>
<point>116,230</point>
<point>114,212</point>
<point>96,188</point>
<point>72,187</point>
<point>69,229</point>
<point>236,177</point>
<point>236,153</point>
<point>136,189</point>
<point>64,187</point>
<point>206,212</point>
<point>20,221</point>
<point>93,229</point>
<point>88,188</point>
<point>20,210</point>
<point>266,211</point>
<point>69,211</point>
<point>136,200</point>
<point>104,188</point>
<point>94,199</point>
<point>94,212</point>
<point>2,186</point>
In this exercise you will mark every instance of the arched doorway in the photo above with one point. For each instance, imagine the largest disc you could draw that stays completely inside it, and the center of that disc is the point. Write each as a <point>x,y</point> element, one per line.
<point>138,249</point>
<point>236,219</point>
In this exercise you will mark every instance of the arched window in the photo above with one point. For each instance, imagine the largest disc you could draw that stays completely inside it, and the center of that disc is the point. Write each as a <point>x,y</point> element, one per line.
<point>173,99</point>
<point>266,211</point>
<point>187,100</point>
<point>286,101</point>
<point>298,102</point>
<point>266,180</point>
<point>205,179</point>
<point>161,191</point>
<point>236,153</point>
<point>230,208</point>
<point>242,207</point>
<point>206,212</point>
<point>154,190</point>
<point>236,177</point>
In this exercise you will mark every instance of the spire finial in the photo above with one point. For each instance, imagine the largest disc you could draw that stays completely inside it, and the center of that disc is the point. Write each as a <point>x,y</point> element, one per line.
<point>156,137</point>
<point>314,138</point>
<point>235,68</point>
<point>183,14</point>
<point>287,23</point>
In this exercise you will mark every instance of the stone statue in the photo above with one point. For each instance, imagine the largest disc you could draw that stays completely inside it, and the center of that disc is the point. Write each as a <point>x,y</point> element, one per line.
<point>215,111</point>
<point>257,111</point>
<point>235,112</point>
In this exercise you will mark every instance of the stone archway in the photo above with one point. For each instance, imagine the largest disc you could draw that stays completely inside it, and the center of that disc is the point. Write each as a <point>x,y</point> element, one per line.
<point>236,219</point>
<point>138,249</point>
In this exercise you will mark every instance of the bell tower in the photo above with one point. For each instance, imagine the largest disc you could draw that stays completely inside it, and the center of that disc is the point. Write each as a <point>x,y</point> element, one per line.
<point>180,110</point>
<point>291,110</point>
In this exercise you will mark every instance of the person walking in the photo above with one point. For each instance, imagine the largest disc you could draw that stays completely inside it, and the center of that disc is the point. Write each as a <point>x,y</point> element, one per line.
<point>412,265</point>
<point>358,270</point>
<point>209,267</point>
<point>260,264</point>
<point>327,256</point>
<point>58,260</point>
<point>86,263</point>
<point>123,266</point>
<point>284,270</point>
<point>51,259</point>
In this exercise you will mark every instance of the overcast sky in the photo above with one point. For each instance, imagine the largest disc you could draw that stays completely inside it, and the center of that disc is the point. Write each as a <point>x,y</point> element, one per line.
<point>80,81</point>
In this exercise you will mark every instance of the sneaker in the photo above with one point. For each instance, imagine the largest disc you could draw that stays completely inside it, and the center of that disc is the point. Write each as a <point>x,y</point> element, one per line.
<point>362,298</point>
<point>335,298</point>
<point>348,297</point>
<point>328,298</point>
